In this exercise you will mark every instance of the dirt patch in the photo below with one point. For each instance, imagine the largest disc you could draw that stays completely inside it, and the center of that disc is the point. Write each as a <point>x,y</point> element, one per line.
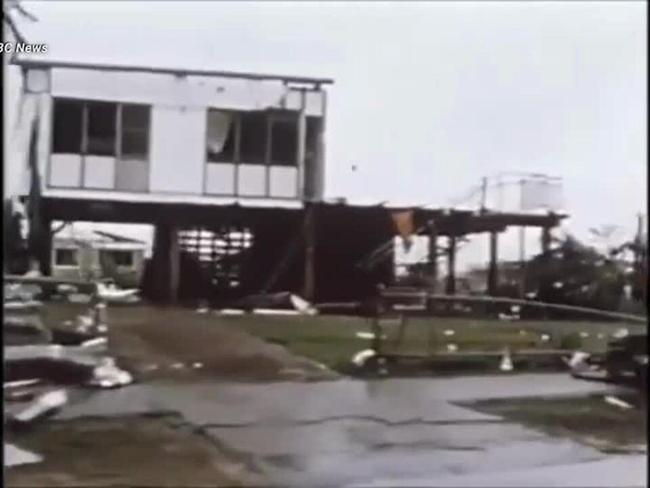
<point>180,344</point>
<point>134,451</point>
<point>589,420</point>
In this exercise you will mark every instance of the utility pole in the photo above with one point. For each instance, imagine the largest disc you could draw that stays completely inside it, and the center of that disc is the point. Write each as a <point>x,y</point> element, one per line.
<point>522,243</point>
<point>483,193</point>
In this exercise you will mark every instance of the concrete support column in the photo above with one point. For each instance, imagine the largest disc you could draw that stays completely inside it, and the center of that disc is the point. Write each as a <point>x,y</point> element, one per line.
<point>493,270</point>
<point>40,243</point>
<point>310,241</point>
<point>451,266</point>
<point>546,239</point>
<point>433,258</point>
<point>301,144</point>
<point>166,263</point>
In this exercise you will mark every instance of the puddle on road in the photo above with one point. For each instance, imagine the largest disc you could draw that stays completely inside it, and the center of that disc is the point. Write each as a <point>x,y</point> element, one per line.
<point>589,420</point>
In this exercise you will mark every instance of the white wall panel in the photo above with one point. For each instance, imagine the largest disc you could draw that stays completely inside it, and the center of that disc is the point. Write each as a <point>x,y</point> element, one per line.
<point>170,90</point>
<point>284,181</point>
<point>132,175</point>
<point>99,172</point>
<point>313,102</point>
<point>177,149</point>
<point>65,170</point>
<point>220,179</point>
<point>251,180</point>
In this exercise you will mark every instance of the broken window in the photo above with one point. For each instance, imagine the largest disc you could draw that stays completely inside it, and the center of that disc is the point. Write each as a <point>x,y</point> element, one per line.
<point>284,133</point>
<point>65,257</point>
<point>135,131</point>
<point>220,137</point>
<point>66,137</point>
<point>120,258</point>
<point>101,128</point>
<point>252,147</point>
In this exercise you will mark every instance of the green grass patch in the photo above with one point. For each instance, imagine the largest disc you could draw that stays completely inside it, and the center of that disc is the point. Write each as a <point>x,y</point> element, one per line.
<point>333,340</point>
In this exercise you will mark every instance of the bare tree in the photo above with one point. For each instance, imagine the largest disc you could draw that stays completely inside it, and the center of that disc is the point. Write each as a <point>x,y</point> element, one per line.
<point>11,10</point>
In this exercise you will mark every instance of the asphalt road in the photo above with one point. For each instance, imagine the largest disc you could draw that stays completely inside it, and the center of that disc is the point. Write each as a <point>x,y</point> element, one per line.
<point>392,432</point>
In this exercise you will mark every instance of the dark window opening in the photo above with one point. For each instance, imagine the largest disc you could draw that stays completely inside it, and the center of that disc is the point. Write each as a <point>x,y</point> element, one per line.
<point>120,258</point>
<point>67,127</point>
<point>135,117</point>
<point>101,128</point>
<point>65,257</point>
<point>135,131</point>
<point>284,133</point>
<point>221,137</point>
<point>252,149</point>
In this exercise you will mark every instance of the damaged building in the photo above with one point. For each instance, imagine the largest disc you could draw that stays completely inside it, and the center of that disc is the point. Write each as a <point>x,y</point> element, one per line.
<point>229,169</point>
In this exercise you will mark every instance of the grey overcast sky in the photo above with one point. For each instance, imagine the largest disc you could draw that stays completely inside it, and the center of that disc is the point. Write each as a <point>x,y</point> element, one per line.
<point>429,96</point>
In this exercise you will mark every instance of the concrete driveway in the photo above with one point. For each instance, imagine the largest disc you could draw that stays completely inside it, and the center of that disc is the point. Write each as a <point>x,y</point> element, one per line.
<point>393,432</point>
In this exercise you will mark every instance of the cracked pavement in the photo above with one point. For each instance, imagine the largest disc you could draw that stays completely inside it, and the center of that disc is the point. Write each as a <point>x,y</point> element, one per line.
<point>380,433</point>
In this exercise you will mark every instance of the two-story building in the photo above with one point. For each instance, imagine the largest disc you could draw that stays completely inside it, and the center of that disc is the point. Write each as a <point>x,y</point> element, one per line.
<point>170,147</point>
<point>229,168</point>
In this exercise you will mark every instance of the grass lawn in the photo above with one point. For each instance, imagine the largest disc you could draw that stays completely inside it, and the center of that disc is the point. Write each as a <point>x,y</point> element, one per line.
<point>332,340</point>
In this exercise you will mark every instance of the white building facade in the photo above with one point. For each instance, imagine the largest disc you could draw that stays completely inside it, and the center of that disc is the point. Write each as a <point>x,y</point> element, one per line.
<point>156,135</point>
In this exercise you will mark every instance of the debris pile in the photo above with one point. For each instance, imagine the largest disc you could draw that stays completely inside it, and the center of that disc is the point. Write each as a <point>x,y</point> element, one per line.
<point>283,303</point>
<point>38,358</point>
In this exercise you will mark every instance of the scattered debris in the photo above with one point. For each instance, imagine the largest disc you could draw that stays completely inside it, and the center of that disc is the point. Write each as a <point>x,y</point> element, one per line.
<point>230,311</point>
<point>621,333</point>
<point>79,298</point>
<point>44,405</point>
<point>545,337</point>
<point>618,402</point>
<point>20,383</point>
<point>108,375</point>
<point>365,335</point>
<point>273,311</point>
<point>197,365</point>
<point>14,456</point>
<point>283,303</point>
<point>98,343</point>
<point>452,347</point>
<point>584,335</point>
<point>66,288</point>
<point>110,293</point>
<point>578,363</point>
<point>368,335</point>
<point>177,366</point>
<point>505,316</point>
<point>362,357</point>
<point>302,305</point>
<point>449,332</point>
<point>22,306</point>
<point>25,330</point>
<point>506,361</point>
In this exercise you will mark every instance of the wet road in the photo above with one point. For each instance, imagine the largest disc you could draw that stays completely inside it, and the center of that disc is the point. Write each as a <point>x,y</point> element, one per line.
<point>382,433</point>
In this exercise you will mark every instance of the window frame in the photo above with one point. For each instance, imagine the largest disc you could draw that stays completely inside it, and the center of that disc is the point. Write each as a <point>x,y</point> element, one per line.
<point>270,116</point>
<point>75,253</point>
<point>130,253</point>
<point>83,147</point>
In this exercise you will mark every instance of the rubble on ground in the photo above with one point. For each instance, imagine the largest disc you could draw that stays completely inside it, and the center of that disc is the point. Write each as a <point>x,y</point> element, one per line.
<point>15,456</point>
<point>283,303</point>
<point>72,353</point>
